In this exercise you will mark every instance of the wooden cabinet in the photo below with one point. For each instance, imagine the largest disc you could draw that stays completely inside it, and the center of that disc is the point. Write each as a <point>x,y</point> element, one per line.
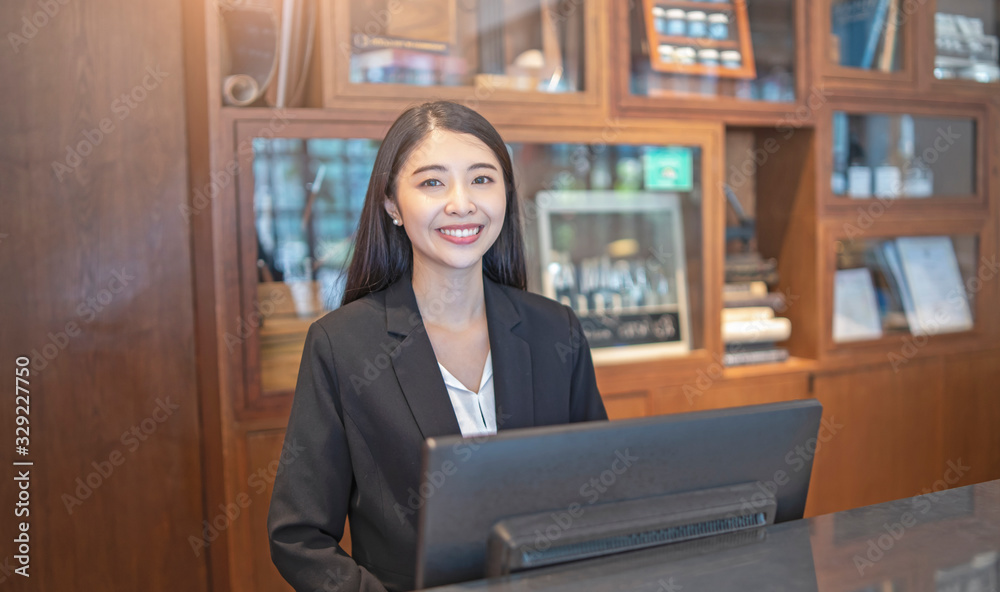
<point>779,153</point>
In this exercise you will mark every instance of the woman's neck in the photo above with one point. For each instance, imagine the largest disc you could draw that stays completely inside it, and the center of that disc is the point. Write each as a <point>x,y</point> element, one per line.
<point>452,298</point>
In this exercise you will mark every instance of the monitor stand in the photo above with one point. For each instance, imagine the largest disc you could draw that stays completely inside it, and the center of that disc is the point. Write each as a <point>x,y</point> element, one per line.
<point>585,531</point>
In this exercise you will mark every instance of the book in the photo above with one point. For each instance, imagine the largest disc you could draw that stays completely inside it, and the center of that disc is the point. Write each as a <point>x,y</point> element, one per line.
<point>937,293</point>
<point>770,355</point>
<point>747,313</point>
<point>743,290</point>
<point>887,291</point>
<point>874,34</point>
<point>855,309</point>
<point>896,270</point>
<point>774,300</point>
<point>748,267</point>
<point>746,347</point>
<point>776,329</point>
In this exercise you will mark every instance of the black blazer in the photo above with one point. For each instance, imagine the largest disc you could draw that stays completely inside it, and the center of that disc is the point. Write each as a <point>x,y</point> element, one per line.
<point>369,392</point>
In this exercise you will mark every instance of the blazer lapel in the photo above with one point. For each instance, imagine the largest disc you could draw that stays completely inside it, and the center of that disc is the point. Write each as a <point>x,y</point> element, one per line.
<point>512,386</point>
<point>416,366</point>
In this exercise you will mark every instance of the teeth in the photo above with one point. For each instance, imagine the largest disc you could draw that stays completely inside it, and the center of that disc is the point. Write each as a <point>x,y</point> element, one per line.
<point>462,233</point>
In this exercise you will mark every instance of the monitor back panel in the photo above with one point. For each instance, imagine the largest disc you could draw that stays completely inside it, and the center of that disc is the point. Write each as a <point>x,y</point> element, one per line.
<point>470,484</point>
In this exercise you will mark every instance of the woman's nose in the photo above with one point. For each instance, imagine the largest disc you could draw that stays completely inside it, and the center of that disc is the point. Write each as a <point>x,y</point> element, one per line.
<point>460,202</point>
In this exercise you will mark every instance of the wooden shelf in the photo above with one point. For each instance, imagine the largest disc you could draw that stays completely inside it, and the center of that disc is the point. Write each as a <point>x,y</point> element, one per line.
<point>699,42</point>
<point>700,70</point>
<point>792,365</point>
<point>706,6</point>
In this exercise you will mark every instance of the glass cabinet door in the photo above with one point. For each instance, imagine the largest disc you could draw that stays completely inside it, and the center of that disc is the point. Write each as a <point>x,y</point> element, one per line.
<point>868,35</point>
<point>714,48</point>
<point>965,39</point>
<point>923,285</point>
<point>508,45</point>
<point>890,156</point>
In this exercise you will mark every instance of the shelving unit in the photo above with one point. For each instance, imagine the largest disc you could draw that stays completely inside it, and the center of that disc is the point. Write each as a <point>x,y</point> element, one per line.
<point>779,153</point>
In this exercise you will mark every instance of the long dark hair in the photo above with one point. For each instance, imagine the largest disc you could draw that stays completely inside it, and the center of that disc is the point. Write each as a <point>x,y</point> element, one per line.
<point>382,251</point>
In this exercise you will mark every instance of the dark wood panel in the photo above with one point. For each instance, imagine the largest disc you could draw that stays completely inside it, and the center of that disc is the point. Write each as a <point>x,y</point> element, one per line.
<point>263,448</point>
<point>971,415</point>
<point>889,445</point>
<point>96,265</point>
<point>264,456</point>
<point>709,392</point>
<point>626,405</point>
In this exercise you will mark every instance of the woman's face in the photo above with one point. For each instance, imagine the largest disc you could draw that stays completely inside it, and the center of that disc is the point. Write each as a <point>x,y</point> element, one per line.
<point>451,200</point>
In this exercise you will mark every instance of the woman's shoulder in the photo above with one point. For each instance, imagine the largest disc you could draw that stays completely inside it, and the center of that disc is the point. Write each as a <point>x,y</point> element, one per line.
<point>358,315</point>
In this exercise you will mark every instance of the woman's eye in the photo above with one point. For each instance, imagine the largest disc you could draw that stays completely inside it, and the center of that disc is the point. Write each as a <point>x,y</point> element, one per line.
<point>482,179</point>
<point>431,183</point>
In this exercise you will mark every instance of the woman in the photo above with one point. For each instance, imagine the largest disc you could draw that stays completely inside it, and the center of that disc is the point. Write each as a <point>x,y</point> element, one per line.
<point>436,336</point>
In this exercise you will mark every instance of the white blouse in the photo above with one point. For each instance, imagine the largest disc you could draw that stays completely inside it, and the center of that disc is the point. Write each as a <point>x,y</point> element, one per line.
<point>476,412</point>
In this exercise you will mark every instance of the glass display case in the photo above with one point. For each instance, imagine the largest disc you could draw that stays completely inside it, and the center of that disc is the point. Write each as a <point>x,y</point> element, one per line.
<point>965,38</point>
<point>892,156</point>
<point>527,46</point>
<point>617,259</point>
<point>922,285</point>
<point>868,34</point>
<point>308,196</point>
<point>738,49</point>
<point>626,219</point>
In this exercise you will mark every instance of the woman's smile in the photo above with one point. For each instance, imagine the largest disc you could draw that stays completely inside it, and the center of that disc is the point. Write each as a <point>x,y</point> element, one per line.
<point>462,234</point>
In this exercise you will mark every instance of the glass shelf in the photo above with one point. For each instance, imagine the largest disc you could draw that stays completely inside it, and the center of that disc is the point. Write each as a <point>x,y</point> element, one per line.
<point>965,35</point>
<point>921,285</point>
<point>867,34</point>
<point>903,156</point>
<point>624,220</point>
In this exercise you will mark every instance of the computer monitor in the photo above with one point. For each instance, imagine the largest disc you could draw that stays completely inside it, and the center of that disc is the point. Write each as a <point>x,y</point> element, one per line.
<point>671,477</point>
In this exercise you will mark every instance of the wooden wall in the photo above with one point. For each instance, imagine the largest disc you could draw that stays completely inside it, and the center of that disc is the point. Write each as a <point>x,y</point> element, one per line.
<point>96,270</point>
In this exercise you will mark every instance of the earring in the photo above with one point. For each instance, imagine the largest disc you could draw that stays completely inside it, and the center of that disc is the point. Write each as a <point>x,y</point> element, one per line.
<point>395,221</point>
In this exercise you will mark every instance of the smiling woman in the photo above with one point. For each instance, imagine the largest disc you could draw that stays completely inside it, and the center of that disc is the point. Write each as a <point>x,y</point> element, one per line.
<point>436,336</point>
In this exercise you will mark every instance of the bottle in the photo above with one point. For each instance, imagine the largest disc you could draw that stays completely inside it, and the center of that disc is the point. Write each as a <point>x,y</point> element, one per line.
<point>696,24</point>
<point>718,26</point>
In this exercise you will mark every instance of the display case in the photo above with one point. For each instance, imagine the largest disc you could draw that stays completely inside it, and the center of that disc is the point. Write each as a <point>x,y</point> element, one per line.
<point>746,53</point>
<point>966,47</point>
<point>538,52</point>
<point>922,285</point>
<point>868,43</point>
<point>918,286</point>
<point>617,259</point>
<point>903,158</point>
